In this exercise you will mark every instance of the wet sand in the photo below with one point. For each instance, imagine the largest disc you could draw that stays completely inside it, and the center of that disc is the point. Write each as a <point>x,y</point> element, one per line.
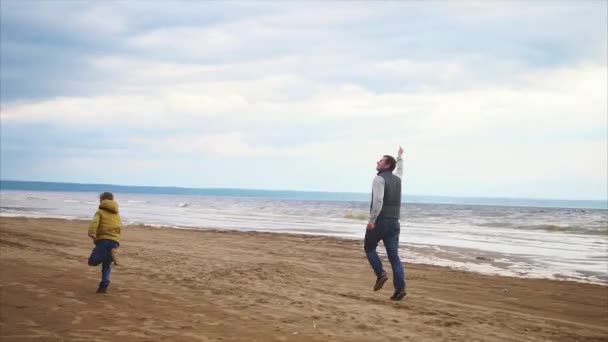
<point>186,285</point>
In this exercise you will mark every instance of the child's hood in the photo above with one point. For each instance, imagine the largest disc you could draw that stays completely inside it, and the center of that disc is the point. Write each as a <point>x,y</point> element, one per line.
<point>109,205</point>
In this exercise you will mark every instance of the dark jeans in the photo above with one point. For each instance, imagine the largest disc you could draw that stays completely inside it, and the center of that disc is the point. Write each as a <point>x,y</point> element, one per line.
<point>386,230</point>
<point>102,254</point>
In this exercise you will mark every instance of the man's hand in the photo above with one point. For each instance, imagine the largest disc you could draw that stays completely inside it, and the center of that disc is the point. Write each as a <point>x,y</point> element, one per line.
<point>93,236</point>
<point>400,153</point>
<point>370,226</point>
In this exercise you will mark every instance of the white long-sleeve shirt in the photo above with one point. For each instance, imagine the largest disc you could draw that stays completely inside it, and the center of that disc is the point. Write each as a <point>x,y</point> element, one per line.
<point>378,192</point>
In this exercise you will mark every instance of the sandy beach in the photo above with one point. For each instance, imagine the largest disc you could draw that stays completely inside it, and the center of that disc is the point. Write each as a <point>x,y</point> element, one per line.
<point>204,285</point>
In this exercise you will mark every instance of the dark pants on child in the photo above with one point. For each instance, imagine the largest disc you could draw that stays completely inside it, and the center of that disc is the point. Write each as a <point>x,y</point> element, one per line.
<point>102,254</point>
<point>387,230</point>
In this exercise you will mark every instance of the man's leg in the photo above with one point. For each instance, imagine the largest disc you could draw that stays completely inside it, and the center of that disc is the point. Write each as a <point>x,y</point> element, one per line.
<point>391,242</point>
<point>372,237</point>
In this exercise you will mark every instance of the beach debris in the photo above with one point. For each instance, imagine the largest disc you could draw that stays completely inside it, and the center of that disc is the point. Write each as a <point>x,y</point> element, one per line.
<point>481,258</point>
<point>505,290</point>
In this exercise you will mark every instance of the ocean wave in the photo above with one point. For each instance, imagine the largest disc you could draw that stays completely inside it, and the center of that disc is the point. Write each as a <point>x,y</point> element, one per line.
<point>183,205</point>
<point>15,209</point>
<point>73,201</point>
<point>35,198</point>
<point>601,229</point>
<point>356,216</point>
<point>38,215</point>
<point>497,224</point>
<point>569,229</point>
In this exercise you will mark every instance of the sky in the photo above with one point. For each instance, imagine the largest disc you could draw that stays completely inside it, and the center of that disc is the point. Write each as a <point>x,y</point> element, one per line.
<point>492,99</point>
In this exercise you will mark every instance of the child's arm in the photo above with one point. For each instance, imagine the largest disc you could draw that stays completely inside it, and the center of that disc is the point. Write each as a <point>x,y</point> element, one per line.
<point>94,225</point>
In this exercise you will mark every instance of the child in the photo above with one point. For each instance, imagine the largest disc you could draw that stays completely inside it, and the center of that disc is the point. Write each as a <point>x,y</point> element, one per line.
<point>105,232</point>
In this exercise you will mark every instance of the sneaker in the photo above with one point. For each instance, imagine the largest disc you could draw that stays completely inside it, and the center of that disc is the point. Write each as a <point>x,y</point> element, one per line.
<point>380,281</point>
<point>398,295</point>
<point>115,257</point>
<point>103,290</point>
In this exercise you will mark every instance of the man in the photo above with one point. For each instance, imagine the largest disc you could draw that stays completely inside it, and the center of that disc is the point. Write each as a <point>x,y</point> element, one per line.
<point>384,222</point>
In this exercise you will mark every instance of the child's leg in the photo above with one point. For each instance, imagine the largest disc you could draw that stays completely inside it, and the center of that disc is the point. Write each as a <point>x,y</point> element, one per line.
<point>99,253</point>
<point>114,253</point>
<point>106,267</point>
<point>106,270</point>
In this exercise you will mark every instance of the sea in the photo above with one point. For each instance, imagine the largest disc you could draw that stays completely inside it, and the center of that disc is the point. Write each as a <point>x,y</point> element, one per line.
<point>532,238</point>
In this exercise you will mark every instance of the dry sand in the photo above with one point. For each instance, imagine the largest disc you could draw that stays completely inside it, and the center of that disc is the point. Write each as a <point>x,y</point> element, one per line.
<point>183,285</point>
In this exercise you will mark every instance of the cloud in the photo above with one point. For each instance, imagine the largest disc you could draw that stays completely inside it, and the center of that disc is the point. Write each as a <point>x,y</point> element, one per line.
<point>491,92</point>
<point>293,28</point>
<point>546,101</point>
<point>77,18</point>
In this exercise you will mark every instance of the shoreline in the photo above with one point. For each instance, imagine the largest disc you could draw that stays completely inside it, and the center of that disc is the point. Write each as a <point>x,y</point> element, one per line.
<point>211,285</point>
<point>482,258</point>
<point>464,259</point>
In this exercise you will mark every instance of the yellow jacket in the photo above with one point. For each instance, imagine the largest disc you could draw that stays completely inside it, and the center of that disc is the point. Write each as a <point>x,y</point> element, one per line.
<point>106,222</point>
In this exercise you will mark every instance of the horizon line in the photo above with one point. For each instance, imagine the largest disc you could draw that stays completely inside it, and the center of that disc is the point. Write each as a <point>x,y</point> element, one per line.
<point>304,191</point>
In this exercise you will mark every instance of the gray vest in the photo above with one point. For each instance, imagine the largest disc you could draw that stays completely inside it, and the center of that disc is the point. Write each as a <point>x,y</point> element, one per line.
<point>391,205</point>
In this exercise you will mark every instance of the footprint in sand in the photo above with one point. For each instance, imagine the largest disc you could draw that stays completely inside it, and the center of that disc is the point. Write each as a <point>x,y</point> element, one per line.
<point>73,301</point>
<point>363,326</point>
<point>132,334</point>
<point>28,323</point>
<point>40,293</point>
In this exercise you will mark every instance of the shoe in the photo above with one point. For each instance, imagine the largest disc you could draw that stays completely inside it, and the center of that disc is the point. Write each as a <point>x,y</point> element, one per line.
<point>380,281</point>
<point>103,290</point>
<point>398,295</point>
<point>115,257</point>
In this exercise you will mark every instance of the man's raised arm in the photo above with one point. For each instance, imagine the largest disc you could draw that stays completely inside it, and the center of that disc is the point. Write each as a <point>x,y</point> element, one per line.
<point>399,167</point>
